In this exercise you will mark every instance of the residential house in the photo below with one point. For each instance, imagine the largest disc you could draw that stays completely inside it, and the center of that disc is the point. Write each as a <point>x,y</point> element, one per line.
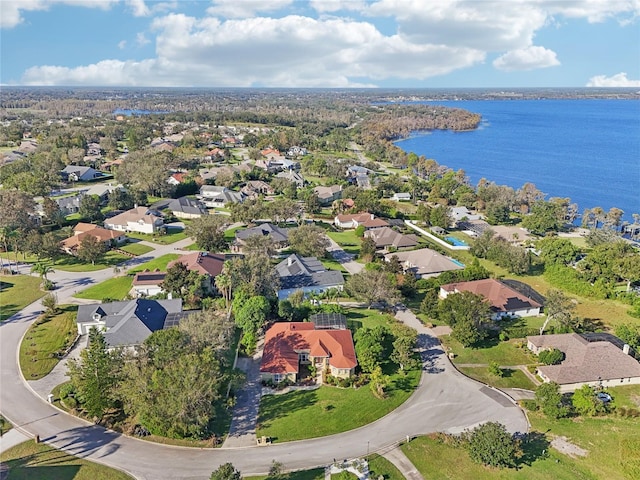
<point>102,190</point>
<point>327,195</point>
<point>424,263</point>
<point>401,197</point>
<point>354,220</point>
<point>514,235</point>
<point>204,263</point>
<point>288,345</point>
<point>129,323</point>
<point>504,300</point>
<point>185,207</point>
<point>147,284</point>
<point>255,188</point>
<point>79,173</point>
<point>279,236</point>
<point>138,219</point>
<point>354,170</point>
<point>214,196</point>
<point>386,237</point>
<point>295,151</point>
<point>70,204</point>
<point>177,178</point>
<point>597,363</point>
<point>292,176</point>
<point>109,237</point>
<point>459,214</point>
<point>306,274</point>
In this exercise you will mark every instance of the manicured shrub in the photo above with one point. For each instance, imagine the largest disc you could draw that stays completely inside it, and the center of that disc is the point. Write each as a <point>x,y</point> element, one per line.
<point>551,357</point>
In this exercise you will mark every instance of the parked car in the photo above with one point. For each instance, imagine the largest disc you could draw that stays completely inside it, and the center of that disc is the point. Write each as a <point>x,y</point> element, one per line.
<point>603,397</point>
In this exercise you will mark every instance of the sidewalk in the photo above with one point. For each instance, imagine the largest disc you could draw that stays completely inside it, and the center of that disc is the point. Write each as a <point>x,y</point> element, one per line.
<point>402,463</point>
<point>12,438</point>
<point>58,375</point>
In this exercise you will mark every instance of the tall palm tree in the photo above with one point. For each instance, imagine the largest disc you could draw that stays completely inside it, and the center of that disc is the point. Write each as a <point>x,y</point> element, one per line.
<point>223,284</point>
<point>42,269</point>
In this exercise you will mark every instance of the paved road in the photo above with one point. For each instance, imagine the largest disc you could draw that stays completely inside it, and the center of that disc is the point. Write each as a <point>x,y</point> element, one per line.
<point>445,401</point>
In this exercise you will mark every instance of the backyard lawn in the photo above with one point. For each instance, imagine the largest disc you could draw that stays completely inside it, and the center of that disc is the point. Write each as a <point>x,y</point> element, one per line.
<point>16,292</point>
<point>44,339</point>
<point>492,350</point>
<point>36,461</point>
<point>328,410</point>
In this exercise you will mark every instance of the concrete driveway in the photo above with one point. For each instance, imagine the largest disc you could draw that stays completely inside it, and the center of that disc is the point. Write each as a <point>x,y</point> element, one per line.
<point>344,258</point>
<point>445,401</point>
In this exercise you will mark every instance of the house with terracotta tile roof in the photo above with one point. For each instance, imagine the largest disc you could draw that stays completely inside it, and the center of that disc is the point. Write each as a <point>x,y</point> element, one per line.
<point>138,219</point>
<point>598,363</point>
<point>354,220</point>
<point>288,345</point>
<point>205,263</point>
<point>504,300</point>
<point>82,230</point>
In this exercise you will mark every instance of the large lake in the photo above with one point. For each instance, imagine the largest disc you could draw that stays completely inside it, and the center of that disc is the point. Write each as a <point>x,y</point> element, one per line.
<point>588,150</point>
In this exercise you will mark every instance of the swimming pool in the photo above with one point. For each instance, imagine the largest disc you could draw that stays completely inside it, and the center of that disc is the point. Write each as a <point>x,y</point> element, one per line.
<point>457,262</point>
<point>455,242</point>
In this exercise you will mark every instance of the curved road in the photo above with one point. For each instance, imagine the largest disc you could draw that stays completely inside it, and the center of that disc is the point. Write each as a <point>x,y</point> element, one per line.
<point>445,401</point>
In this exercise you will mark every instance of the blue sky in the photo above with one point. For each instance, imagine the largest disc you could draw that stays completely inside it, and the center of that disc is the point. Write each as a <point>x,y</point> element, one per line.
<point>321,43</point>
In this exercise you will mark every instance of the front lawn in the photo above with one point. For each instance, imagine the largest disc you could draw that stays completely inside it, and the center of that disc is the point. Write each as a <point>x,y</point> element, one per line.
<point>348,240</point>
<point>159,263</point>
<point>45,339</point>
<point>363,317</point>
<point>115,288</point>
<point>313,474</point>
<point>69,263</point>
<point>173,235</point>
<point>380,466</point>
<point>35,461</point>
<point>491,350</point>
<point>512,378</point>
<point>16,292</point>
<point>329,410</point>
<point>136,248</point>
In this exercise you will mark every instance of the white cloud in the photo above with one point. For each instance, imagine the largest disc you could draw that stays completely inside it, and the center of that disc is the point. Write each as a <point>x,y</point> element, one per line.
<point>617,80</point>
<point>245,8</point>
<point>122,44</point>
<point>139,8</point>
<point>141,39</point>
<point>11,10</point>
<point>324,6</point>
<point>529,58</point>
<point>594,10</point>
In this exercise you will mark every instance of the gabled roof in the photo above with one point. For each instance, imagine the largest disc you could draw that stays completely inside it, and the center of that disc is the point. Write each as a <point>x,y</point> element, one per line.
<point>283,341</point>
<point>425,261</point>
<point>83,230</point>
<point>585,361</point>
<point>327,192</point>
<point>502,297</point>
<point>204,263</point>
<point>277,234</point>
<point>135,215</point>
<point>131,322</point>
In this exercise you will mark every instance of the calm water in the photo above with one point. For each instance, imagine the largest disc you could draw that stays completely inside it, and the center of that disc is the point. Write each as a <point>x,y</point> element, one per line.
<point>588,150</point>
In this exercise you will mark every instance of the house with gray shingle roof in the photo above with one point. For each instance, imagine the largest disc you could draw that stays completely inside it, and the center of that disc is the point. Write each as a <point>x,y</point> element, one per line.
<point>597,363</point>
<point>185,207</point>
<point>214,196</point>
<point>129,323</point>
<point>306,274</point>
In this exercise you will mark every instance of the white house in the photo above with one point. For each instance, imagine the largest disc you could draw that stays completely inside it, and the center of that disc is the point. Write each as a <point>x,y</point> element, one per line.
<point>138,219</point>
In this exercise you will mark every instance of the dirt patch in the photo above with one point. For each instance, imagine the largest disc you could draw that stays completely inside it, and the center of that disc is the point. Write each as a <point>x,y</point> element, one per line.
<point>566,447</point>
<point>635,399</point>
<point>441,330</point>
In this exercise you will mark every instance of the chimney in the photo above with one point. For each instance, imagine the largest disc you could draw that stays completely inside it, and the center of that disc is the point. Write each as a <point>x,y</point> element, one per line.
<point>626,349</point>
<point>290,261</point>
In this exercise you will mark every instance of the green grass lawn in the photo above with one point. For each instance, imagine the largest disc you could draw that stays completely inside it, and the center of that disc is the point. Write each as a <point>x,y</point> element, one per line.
<point>36,461</point>
<point>45,338</point>
<point>116,288</point>
<point>230,234</point>
<point>348,240</point>
<point>510,379</point>
<point>328,410</point>
<point>159,263</point>
<point>333,265</point>
<point>136,248</point>
<point>69,263</point>
<point>612,445</point>
<point>173,235</point>
<point>379,465</point>
<point>16,292</point>
<point>5,425</point>
<point>492,350</point>
<point>362,317</point>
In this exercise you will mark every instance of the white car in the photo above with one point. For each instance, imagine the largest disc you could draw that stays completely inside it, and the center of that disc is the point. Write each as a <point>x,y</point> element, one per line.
<point>603,397</point>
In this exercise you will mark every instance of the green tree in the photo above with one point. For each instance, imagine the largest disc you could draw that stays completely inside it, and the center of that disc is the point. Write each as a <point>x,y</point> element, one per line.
<point>369,345</point>
<point>403,346</point>
<point>308,241</point>
<point>549,400</point>
<point>95,375</point>
<point>378,381</point>
<point>586,403</point>
<point>251,317</point>
<point>180,281</point>
<point>367,249</point>
<point>208,232</point>
<point>91,249</point>
<point>440,216</point>
<point>226,471</point>
<point>551,357</point>
<point>558,307</point>
<point>429,304</point>
<point>466,313</point>
<point>557,251</point>
<point>544,217</point>
<point>90,208</point>
<point>52,211</point>
<point>629,333</point>
<point>495,370</point>
<point>372,286</point>
<point>120,199</point>
<point>491,444</point>
<point>50,303</point>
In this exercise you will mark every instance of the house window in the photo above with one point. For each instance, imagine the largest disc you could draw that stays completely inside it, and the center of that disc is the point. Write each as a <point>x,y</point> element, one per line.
<point>304,357</point>
<point>277,377</point>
